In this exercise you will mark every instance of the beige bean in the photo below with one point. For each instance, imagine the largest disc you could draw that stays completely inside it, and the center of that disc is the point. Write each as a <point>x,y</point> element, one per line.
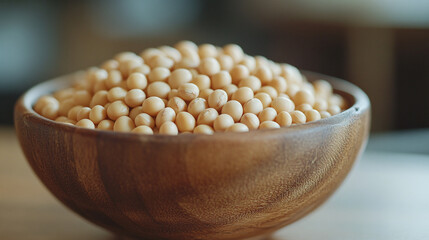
<point>303,96</point>
<point>83,113</point>
<point>185,122</point>
<point>117,109</point>
<point>324,114</point>
<point>169,128</point>
<point>105,125</point>
<point>152,105</point>
<point>221,80</point>
<point>298,117</point>
<point>177,104</point>
<point>304,107</point>
<point>179,77</point>
<point>115,94</point>
<point>237,127</point>
<point>123,124</point>
<point>222,122</point>
<point>252,82</point>
<point>209,66</point>
<point>85,123</point>
<point>202,81</point>
<point>205,93</point>
<point>134,97</point>
<point>207,116</point>
<point>234,51</point>
<point>312,115</point>
<point>97,114</point>
<point>282,104</point>
<point>158,89</point>
<point>99,98</point>
<point>238,73</point>
<point>284,119</point>
<point>135,111</point>
<point>196,106</point>
<point>264,98</point>
<point>188,91</point>
<point>268,114</point>
<point>234,109</point>
<point>136,81</point>
<point>264,74</point>
<point>242,95</point>
<point>144,119</point>
<point>250,120</point>
<point>217,99</point>
<point>269,90</point>
<point>143,130</point>
<point>159,74</point>
<point>203,129</point>
<point>269,125</point>
<point>72,113</point>
<point>165,115</point>
<point>254,106</point>
<point>225,61</point>
<point>207,50</point>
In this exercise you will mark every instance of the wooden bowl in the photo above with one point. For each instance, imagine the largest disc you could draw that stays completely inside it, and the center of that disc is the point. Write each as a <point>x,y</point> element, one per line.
<point>224,186</point>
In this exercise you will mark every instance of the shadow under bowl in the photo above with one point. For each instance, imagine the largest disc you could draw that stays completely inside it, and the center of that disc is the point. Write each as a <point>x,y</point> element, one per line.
<point>221,186</point>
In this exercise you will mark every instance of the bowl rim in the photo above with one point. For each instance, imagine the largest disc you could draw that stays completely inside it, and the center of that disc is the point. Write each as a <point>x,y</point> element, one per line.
<point>27,100</point>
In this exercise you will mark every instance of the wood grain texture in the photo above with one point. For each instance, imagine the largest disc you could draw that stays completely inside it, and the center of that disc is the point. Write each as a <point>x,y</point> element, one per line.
<point>224,186</point>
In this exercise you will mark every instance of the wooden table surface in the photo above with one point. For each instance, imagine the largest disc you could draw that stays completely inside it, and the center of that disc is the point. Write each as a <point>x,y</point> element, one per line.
<point>385,197</point>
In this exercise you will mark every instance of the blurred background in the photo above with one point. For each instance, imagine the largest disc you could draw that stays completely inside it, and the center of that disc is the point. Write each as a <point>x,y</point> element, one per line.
<point>380,45</point>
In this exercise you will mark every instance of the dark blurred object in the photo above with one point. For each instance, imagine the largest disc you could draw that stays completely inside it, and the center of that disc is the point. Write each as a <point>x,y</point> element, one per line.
<point>382,46</point>
<point>412,78</point>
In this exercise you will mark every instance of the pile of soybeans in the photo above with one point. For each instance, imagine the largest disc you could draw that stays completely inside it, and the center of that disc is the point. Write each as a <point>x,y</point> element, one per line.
<point>191,89</point>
